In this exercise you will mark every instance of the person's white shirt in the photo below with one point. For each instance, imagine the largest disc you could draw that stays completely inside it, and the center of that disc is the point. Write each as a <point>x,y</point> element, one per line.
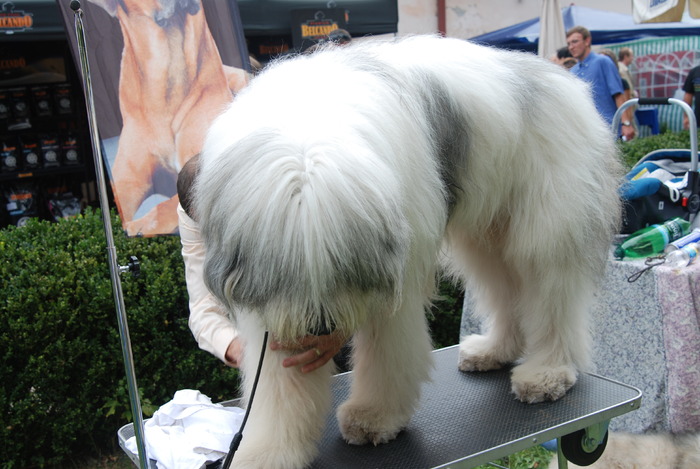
<point>208,320</point>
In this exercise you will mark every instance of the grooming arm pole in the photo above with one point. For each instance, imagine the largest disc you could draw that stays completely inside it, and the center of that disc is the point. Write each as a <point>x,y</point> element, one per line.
<point>115,268</point>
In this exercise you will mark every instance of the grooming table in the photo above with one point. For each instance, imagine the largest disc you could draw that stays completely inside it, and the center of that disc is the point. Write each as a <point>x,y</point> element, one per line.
<point>468,419</point>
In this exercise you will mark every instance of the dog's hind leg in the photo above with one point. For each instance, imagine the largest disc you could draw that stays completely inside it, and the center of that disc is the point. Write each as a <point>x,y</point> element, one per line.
<point>501,340</point>
<point>289,408</point>
<point>534,305</point>
<point>391,358</point>
<point>553,318</point>
<point>493,287</point>
<point>553,308</point>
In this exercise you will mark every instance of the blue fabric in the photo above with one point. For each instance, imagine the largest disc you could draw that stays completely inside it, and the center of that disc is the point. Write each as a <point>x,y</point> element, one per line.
<point>631,190</point>
<point>643,187</point>
<point>606,27</point>
<point>600,72</point>
<point>648,166</point>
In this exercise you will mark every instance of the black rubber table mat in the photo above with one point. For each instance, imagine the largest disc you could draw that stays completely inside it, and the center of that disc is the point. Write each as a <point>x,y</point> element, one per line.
<point>464,420</point>
<point>468,419</point>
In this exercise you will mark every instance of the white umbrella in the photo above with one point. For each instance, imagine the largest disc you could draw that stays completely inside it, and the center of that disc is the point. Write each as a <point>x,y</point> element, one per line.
<point>664,11</point>
<point>552,33</point>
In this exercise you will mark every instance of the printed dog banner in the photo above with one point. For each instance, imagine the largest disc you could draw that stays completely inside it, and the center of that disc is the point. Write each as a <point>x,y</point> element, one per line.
<point>161,72</point>
<point>663,11</point>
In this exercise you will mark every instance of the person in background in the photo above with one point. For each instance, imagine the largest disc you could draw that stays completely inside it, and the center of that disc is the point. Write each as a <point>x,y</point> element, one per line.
<point>563,53</point>
<point>209,322</point>
<point>627,89</point>
<point>603,76</point>
<point>563,57</point>
<point>691,86</point>
<point>624,58</point>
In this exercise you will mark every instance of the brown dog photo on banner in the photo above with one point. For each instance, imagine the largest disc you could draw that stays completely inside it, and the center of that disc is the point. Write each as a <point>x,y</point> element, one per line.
<point>172,84</point>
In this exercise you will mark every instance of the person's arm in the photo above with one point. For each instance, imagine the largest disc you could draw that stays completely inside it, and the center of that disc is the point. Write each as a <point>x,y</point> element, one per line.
<point>613,82</point>
<point>214,331</point>
<point>211,328</point>
<point>688,98</point>
<point>627,130</point>
<point>689,88</point>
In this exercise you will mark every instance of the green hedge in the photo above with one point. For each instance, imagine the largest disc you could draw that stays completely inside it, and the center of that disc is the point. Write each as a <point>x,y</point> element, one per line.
<point>637,148</point>
<point>63,393</point>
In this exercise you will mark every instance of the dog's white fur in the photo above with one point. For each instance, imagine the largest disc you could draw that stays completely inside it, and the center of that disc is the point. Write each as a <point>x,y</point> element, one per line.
<point>328,188</point>
<point>652,451</point>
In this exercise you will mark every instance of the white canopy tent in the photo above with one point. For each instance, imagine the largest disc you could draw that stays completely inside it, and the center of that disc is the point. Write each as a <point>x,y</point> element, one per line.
<point>552,32</point>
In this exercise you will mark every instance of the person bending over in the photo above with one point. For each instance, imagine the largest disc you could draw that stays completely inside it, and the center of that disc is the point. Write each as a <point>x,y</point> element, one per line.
<point>210,325</point>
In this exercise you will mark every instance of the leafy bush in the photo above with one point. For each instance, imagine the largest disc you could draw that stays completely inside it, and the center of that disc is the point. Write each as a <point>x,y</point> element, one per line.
<point>63,388</point>
<point>536,457</point>
<point>446,315</point>
<point>637,148</point>
<point>63,393</point>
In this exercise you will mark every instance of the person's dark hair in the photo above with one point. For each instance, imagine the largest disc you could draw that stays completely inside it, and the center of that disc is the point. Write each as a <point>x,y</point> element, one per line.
<point>185,182</point>
<point>623,53</point>
<point>563,53</point>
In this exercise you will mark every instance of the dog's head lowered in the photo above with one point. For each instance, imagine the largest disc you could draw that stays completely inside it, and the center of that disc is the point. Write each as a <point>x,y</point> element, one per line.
<point>308,234</point>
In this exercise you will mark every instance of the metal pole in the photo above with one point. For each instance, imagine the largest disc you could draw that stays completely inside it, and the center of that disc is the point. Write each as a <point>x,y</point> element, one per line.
<point>111,251</point>
<point>562,462</point>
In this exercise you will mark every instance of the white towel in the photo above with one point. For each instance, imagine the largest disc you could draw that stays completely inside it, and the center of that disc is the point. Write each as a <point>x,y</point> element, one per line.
<point>189,431</point>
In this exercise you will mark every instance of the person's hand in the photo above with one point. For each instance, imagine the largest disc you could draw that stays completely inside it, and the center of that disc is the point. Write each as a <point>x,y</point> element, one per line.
<point>317,350</point>
<point>628,132</point>
<point>234,353</point>
<point>686,122</point>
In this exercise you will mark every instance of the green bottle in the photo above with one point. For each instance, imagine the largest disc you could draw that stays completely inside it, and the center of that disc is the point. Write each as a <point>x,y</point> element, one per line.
<point>652,240</point>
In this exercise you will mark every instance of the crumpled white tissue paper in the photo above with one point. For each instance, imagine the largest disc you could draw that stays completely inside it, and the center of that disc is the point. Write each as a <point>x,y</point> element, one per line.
<point>189,431</point>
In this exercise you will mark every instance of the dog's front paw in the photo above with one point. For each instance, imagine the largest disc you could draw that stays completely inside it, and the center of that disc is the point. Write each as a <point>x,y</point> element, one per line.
<point>476,353</point>
<point>540,383</point>
<point>260,457</point>
<point>360,425</point>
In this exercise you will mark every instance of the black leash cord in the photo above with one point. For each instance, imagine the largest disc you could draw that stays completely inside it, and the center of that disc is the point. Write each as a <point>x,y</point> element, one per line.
<point>239,436</point>
<point>650,263</point>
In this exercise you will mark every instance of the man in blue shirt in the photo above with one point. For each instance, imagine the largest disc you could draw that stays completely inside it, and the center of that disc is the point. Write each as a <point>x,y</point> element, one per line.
<point>603,76</point>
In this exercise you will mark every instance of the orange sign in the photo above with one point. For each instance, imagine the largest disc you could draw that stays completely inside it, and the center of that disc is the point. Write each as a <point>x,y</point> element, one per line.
<point>12,21</point>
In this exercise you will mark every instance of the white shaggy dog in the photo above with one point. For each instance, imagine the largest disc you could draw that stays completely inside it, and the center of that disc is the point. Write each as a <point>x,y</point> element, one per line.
<point>328,188</point>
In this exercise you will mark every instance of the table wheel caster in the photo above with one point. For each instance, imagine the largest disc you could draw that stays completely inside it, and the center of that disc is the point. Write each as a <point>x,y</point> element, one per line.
<point>584,447</point>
